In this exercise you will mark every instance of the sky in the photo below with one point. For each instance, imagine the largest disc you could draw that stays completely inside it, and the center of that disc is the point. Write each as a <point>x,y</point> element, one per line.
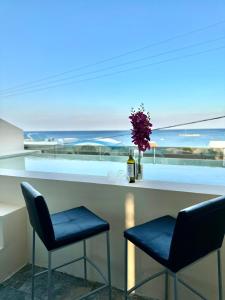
<point>82,65</point>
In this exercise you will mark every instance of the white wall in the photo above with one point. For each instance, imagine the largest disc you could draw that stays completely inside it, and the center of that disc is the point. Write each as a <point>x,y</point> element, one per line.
<point>109,202</point>
<point>11,138</point>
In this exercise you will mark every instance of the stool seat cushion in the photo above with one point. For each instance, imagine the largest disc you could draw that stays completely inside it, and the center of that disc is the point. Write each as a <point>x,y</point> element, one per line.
<point>76,224</point>
<point>154,238</point>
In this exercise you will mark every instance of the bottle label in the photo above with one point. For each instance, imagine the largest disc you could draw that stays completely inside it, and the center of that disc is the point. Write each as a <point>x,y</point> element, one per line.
<point>130,170</point>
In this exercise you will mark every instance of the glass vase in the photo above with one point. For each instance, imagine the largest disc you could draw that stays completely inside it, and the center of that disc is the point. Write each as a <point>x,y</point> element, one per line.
<point>139,165</point>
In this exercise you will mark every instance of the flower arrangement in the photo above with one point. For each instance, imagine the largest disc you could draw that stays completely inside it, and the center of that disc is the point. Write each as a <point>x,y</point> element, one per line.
<point>141,131</point>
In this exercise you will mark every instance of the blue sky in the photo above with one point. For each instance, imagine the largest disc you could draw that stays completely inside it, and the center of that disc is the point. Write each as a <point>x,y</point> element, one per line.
<point>43,38</point>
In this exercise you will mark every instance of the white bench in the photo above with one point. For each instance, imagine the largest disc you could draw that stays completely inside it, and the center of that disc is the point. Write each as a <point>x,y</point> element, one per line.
<point>13,239</point>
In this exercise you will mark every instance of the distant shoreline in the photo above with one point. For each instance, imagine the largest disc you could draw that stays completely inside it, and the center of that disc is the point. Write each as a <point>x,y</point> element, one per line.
<point>162,138</point>
<point>120,130</point>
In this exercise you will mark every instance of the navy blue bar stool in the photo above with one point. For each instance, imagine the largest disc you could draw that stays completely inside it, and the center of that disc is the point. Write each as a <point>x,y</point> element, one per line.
<point>177,243</point>
<point>63,229</point>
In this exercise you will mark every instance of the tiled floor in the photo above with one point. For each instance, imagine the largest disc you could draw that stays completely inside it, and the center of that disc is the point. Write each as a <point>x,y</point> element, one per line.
<point>66,287</point>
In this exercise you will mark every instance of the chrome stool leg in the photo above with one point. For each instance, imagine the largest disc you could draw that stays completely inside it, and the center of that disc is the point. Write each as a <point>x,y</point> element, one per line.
<point>166,285</point>
<point>175,287</point>
<point>49,275</point>
<point>109,265</point>
<point>125,271</point>
<point>33,266</point>
<point>85,262</point>
<point>220,286</point>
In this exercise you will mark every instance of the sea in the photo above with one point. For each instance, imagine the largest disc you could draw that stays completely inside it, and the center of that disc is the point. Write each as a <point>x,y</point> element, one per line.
<point>162,138</point>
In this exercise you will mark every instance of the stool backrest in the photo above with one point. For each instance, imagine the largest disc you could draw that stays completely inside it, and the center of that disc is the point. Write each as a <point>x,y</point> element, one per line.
<point>199,230</point>
<point>38,214</point>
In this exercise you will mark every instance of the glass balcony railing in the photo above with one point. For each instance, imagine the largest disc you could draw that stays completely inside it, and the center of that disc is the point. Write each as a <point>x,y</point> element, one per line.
<point>214,157</point>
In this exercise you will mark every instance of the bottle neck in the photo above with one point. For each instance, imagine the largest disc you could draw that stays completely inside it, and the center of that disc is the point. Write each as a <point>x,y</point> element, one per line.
<point>131,153</point>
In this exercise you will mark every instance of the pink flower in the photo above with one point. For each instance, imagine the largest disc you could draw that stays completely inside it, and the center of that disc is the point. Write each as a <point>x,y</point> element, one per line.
<point>141,128</point>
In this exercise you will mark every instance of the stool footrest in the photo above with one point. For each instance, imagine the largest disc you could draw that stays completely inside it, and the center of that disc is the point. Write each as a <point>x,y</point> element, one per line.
<point>97,269</point>
<point>60,266</point>
<point>73,261</point>
<point>145,281</point>
<point>93,292</point>
<point>159,274</point>
<point>191,289</point>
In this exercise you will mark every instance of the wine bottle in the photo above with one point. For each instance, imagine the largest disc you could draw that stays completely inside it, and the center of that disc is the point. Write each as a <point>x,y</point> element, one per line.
<point>131,167</point>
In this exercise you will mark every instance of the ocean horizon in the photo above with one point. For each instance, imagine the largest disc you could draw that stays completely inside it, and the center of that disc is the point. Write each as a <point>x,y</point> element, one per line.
<point>163,138</point>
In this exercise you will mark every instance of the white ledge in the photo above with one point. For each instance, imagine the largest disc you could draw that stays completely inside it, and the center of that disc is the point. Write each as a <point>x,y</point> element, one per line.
<point>7,208</point>
<point>18,153</point>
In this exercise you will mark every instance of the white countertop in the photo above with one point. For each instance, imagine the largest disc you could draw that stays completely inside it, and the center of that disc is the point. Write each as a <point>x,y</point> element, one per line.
<point>211,189</point>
